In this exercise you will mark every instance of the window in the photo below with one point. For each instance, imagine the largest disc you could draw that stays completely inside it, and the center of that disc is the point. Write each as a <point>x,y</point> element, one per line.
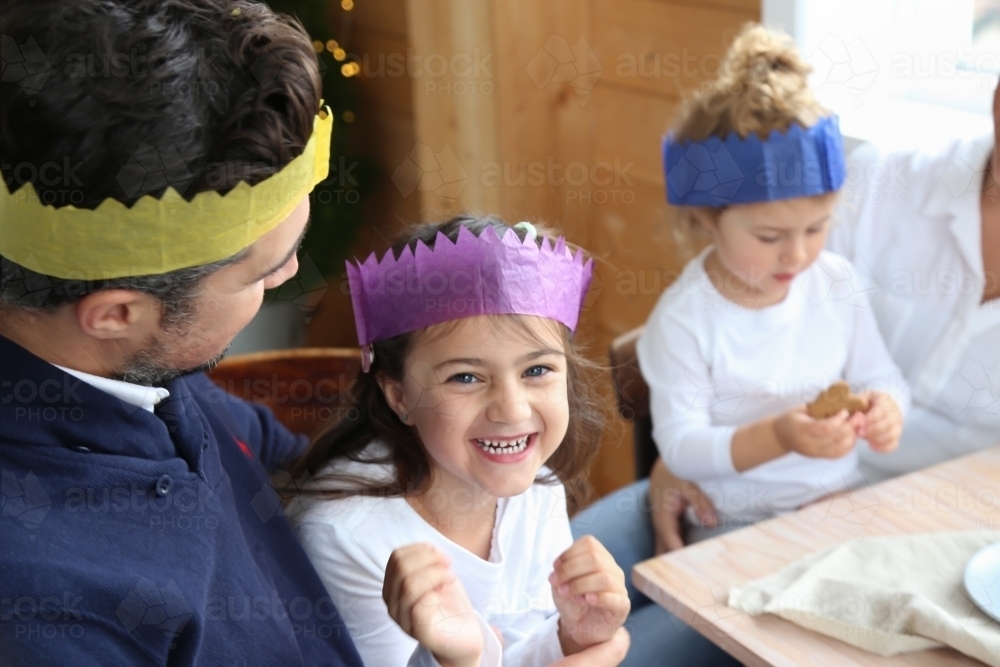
<point>899,72</point>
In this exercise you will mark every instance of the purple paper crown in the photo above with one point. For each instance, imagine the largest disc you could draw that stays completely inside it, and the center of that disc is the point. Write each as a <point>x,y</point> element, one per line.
<point>715,172</point>
<point>484,275</point>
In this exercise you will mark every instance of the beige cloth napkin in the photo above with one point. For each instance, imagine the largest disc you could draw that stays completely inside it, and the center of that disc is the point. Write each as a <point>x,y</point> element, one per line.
<point>886,595</point>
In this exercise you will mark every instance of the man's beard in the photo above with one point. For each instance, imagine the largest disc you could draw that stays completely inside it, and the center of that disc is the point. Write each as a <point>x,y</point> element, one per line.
<point>148,367</point>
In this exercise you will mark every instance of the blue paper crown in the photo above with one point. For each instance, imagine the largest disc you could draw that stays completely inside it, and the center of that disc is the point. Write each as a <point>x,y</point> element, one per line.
<point>799,163</point>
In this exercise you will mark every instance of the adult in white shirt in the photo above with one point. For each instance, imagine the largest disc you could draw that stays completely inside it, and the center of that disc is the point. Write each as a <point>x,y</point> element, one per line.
<point>924,228</point>
<point>924,231</point>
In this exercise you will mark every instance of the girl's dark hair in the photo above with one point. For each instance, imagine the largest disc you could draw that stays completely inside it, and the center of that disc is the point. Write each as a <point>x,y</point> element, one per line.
<point>123,98</point>
<point>371,419</point>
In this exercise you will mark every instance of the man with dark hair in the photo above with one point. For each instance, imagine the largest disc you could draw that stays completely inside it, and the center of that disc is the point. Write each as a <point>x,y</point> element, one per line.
<point>133,526</point>
<point>157,157</point>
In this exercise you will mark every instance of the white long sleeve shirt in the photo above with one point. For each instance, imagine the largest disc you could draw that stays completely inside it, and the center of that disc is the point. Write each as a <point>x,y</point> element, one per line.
<point>349,542</point>
<point>911,224</point>
<point>713,366</point>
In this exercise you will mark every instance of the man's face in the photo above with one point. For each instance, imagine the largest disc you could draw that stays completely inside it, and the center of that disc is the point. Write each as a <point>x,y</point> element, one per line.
<point>226,302</point>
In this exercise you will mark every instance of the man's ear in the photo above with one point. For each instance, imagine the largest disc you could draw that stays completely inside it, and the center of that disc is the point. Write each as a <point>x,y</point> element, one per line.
<point>393,392</point>
<point>118,313</point>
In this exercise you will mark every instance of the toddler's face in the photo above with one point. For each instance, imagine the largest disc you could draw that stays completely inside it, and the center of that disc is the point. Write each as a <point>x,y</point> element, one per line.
<point>763,246</point>
<point>489,400</point>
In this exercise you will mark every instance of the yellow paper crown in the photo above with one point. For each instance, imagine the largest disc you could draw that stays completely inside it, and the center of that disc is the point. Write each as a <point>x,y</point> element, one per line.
<point>157,236</point>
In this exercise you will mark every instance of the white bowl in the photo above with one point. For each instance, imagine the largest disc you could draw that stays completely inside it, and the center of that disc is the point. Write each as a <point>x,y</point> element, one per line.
<point>982,580</point>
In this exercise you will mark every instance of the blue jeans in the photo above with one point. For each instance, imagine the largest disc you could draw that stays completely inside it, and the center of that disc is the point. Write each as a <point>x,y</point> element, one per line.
<point>621,521</point>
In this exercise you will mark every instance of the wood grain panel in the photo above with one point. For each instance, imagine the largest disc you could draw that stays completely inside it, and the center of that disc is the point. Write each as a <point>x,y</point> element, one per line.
<point>667,49</point>
<point>632,125</point>
<point>562,120</point>
<point>744,5</point>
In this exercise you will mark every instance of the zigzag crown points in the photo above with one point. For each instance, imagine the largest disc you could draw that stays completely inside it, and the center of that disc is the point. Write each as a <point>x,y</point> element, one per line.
<point>466,239</point>
<point>495,273</point>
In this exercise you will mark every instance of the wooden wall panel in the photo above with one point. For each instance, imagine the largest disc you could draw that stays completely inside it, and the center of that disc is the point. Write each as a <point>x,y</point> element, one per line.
<point>661,47</point>
<point>632,124</point>
<point>615,108</point>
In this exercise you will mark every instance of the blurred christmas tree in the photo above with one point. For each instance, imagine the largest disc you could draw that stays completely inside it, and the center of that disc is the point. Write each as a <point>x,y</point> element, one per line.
<point>336,202</point>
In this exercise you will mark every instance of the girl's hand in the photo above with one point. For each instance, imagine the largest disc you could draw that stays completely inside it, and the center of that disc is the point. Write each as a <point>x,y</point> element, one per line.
<point>429,603</point>
<point>829,438</point>
<point>606,654</point>
<point>883,422</point>
<point>589,592</point>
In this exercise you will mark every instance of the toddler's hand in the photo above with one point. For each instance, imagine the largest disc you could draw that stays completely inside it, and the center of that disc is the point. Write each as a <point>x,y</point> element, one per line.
<point>829,438</point>
<point>883,422</point>
<point>429,603</point>
<point>589,592</point>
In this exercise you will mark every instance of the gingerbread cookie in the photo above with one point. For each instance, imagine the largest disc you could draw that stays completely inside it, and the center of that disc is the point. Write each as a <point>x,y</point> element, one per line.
<point>834,399</point>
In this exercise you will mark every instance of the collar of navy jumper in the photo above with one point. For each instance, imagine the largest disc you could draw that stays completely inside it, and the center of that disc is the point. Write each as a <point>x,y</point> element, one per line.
<point>714,172</point>
<point>41,405</point>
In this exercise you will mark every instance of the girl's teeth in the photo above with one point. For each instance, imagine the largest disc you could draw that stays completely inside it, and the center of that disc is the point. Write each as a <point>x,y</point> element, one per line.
<point>503,447</point>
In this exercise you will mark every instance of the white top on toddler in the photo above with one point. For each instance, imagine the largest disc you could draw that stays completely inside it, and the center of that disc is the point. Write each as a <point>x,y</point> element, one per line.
<point>350,540</point>
<point>713,365</point>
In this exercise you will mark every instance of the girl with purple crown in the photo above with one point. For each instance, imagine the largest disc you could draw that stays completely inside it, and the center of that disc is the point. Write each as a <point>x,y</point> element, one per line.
<point>437,515</point>
<point>762,319</point>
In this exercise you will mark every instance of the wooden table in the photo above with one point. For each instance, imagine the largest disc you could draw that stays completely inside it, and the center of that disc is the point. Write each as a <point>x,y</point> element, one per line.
<point>694,583</point>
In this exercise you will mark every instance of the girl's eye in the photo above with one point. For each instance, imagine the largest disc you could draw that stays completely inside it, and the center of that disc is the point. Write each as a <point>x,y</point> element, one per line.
<point>462,378</point>
<point>768,239</point>
<point>537,371</point>
<point>814,230</point>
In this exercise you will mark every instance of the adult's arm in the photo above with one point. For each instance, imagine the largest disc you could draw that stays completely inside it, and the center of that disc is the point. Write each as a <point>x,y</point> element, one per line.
<point>668,497</point>
<point>870,367</point>
<point>255,426</point>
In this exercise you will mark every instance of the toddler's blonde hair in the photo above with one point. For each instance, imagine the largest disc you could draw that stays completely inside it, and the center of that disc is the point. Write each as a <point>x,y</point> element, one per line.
<point>762,86</point>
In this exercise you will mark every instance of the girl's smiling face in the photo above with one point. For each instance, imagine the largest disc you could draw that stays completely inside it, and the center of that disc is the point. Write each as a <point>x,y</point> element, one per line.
<point>760,248</point>
<point>488,396</point>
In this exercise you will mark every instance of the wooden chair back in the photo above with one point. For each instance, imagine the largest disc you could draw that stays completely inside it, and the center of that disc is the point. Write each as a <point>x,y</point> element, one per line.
<point>632,395</point>
<point>304,387</point>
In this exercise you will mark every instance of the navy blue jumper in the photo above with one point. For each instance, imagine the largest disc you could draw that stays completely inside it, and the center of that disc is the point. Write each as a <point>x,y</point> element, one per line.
<point>133,538</point>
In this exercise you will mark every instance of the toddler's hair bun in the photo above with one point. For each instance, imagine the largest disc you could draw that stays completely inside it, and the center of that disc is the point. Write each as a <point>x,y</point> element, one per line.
<point>762,85</point>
